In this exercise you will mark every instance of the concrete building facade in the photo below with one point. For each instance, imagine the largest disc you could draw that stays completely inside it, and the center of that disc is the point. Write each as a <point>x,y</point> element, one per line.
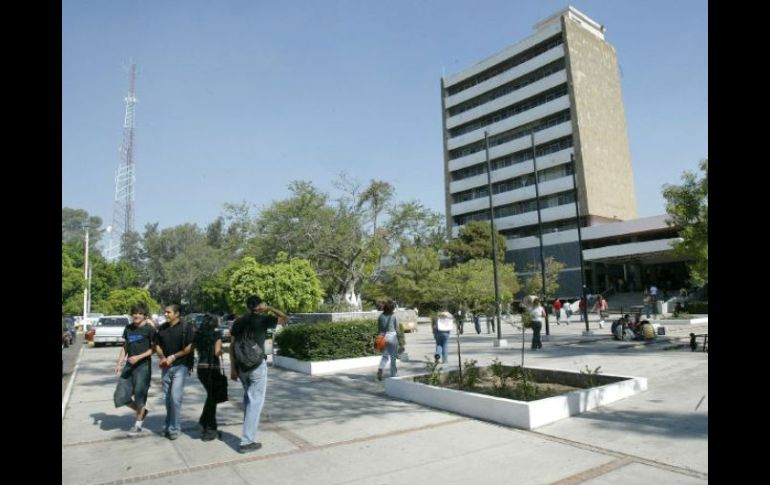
<point>550,96</point>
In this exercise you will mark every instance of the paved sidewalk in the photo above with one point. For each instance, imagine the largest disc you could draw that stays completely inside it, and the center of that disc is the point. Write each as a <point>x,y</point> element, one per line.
<point>343,429</point>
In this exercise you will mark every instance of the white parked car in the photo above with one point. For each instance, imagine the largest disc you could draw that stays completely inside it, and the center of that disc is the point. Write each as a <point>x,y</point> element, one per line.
<point>90,321</point>
<point>109,330</point>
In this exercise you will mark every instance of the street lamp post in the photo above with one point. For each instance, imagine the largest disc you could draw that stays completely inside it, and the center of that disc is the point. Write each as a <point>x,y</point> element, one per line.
<point>580,243</point>
<point>539,228</point>
<point>500,342</point>
<point>86,275</point>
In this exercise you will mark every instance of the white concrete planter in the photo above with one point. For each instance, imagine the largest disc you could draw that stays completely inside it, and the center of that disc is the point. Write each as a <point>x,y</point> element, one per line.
<point>519,414</point>
<point>691,321</point>
<point>324,366</point>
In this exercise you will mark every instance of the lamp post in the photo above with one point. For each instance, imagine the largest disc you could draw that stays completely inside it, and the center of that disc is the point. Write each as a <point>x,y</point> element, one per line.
<point>500,342</point>
<point>539,228</point>
<point>580,244</point>
<point>86,275</point>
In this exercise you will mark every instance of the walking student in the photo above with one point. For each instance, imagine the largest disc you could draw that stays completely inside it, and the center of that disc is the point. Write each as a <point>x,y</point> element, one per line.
<point>251,329</point>
<point>175,349</point>
<point>538,314</point>
<point>134,365</point>
<point>387,325</point>
<point>208,343</point>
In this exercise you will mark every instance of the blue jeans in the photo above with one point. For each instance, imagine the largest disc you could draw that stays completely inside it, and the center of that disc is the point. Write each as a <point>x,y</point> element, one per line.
<point>254,390</point>
<point>173,379</point>
<point>442,345</point>
<point>391,350</point>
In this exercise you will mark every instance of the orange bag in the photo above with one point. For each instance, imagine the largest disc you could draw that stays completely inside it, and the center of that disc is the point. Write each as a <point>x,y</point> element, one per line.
<point>379,342</point>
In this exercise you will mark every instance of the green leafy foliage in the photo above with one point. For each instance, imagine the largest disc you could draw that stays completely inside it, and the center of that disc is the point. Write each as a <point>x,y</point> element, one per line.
<point>328,340</point>
<point>119,302</point>
<point>687,208</point>
<point>291,285</point>
<point>534,284</point>
<point>701,307</point>
<point>474,241</point>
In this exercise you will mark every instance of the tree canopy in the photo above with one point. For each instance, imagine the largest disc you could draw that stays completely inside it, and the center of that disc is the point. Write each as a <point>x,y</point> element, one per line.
<point>687,208</point>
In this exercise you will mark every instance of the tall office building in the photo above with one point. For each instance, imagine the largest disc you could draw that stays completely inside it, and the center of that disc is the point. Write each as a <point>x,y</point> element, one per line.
<point>551,95</point>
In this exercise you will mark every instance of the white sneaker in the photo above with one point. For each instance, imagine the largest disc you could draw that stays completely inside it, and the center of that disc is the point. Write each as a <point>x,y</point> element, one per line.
<point>601,324</point>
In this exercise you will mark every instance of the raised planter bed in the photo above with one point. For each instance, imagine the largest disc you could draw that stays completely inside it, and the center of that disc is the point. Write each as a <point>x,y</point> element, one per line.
<point>520,414</point>
<point>325,366</point>
<point>691,321</point>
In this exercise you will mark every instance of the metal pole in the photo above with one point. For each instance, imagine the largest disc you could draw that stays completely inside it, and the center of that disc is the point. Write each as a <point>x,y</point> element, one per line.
<point>85,274</point>
<point>539,230</point>
<point>90,271</point>
<point>494,236</point>
<point>580,240</point>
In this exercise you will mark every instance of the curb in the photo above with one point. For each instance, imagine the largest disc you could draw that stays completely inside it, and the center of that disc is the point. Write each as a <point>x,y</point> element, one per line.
<point>67,393</point>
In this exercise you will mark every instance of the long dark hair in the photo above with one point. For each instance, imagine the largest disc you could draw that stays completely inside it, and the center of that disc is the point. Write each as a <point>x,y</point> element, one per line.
<point>388,307</point>
<point>205,336</point>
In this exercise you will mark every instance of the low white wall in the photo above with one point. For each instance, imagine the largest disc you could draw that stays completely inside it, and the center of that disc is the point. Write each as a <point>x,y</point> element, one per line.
<point>326,366</point>
<point>519,414</point>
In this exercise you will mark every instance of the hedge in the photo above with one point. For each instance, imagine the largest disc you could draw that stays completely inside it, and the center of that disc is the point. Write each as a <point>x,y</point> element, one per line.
<point>328,340</point>
<point>698,307</point>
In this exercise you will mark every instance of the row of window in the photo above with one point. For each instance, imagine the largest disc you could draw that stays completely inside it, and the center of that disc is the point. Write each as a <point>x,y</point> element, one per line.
<point>512,110</point>
<point>509,87</point>
<point>514,158</point>
<point>516,208</point>
<point>510,135</point>
<point>513,183</point>
<point>507,64</point>
<point>547,227</point>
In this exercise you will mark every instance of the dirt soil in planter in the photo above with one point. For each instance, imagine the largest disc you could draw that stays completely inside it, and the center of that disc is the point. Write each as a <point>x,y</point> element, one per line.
<point>515,389</point>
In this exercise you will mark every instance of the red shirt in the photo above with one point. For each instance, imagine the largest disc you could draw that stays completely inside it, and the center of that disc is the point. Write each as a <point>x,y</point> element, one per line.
<point>557,305</point>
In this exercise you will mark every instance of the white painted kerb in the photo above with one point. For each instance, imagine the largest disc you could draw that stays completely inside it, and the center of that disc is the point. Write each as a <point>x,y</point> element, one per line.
<point>326,366</point>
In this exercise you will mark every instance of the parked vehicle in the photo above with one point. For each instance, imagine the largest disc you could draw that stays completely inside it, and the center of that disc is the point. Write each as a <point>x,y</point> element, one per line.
<point>91,320</point>
<point>109,330</point>
<point>225,329</point>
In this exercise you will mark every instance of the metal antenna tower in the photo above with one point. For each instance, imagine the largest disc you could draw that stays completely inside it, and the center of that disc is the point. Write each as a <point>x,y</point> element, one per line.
<point>123,211</point>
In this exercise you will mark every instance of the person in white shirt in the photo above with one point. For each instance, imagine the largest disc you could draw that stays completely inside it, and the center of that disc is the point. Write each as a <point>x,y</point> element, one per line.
<point>537,313</point>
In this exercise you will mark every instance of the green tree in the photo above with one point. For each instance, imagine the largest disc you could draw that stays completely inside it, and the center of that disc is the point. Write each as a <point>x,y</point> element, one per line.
<point>72,222</point>
<point>131,250</point>
<point>72,284</point>
<point>534,283</point>
<point>291,285</point>
<point>410,282</point>
<point>345,239</point>
<point>119,302</point>
<point>470,286</point>
<point>687,208</point>
<point>475,242</point>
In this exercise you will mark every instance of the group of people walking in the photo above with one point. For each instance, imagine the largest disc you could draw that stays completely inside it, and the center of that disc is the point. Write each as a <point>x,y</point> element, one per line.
<point>175,343</point>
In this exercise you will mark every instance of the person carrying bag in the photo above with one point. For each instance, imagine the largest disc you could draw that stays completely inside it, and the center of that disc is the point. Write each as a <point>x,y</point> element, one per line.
<point>208,343</point>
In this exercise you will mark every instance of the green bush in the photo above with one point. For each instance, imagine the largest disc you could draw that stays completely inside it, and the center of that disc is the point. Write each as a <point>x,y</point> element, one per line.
<point>328,340</point>
<point>698,307</point>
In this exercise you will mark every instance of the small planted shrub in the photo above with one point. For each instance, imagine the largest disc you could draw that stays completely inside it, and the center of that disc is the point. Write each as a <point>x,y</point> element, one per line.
<point>701,307</point>
<point>590,375</point>
<point>328,340</point>
<point>434,371</point>
<point>471,374</point>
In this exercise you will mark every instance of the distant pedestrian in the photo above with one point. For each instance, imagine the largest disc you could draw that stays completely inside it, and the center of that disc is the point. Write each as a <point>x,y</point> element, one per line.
<point>387,325</point>
<point>252,328</point>
<point>175,349</point>
<point>557,311</point>
<point>600,307</point>
<point>537,313</point>
<point>477,323</point>
<point>647,301</point>
<point>136,370</point>
<point>567,311</point>
<point>442,324</point>
<point>208,344</point>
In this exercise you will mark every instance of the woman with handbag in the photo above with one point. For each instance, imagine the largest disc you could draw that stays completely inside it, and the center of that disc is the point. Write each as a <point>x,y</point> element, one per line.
<point>208,343</point>
<point>387,327</point>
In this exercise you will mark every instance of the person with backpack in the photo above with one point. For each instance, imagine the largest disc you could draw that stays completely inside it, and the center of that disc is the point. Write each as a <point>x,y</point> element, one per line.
<point>247,364</point>
<point>134,365</point>
<point>174,346</point>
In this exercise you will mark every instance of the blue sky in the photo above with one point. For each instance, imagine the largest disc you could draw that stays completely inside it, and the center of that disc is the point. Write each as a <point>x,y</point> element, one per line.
<point>239,98</point>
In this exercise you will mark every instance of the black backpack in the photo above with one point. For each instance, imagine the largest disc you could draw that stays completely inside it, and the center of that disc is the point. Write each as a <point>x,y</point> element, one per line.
<point>248,354</point>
